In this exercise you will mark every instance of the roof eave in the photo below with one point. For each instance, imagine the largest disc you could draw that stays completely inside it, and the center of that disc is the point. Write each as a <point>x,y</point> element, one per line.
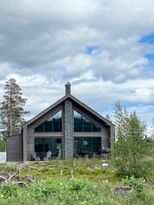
<point>62,100</point>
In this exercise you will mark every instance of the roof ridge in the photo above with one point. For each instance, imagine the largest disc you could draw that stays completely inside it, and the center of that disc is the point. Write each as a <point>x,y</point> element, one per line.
<point>63,99</point>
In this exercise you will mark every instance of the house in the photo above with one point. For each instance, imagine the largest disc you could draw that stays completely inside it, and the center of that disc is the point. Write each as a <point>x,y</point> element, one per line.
<point>68,128</point>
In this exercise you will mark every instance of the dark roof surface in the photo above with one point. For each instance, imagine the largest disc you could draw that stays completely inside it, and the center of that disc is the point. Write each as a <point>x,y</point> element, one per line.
<point>75,100</point>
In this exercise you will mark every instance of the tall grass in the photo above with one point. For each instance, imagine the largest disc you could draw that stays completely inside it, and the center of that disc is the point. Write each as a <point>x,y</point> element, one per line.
<point>70,182</point>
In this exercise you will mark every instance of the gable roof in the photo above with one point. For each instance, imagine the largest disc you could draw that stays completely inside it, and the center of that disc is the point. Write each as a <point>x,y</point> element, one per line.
<point>61,100</point>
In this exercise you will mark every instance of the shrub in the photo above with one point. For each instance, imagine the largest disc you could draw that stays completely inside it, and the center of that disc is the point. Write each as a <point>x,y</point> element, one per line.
<point>2,145</point>
<point>137,183</point>
<point>8,189</point>
<point>131,150</point>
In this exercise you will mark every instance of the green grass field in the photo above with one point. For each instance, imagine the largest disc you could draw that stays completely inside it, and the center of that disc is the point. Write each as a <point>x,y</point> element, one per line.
<point>82,181</point>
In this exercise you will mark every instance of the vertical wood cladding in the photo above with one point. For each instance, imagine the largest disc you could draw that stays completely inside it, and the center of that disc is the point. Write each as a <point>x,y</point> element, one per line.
<point>14,149</point>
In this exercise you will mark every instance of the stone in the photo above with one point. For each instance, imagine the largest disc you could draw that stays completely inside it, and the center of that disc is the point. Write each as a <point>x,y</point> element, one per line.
<point>21,183</point>
<point>124,190</point>
<point>105,165</point>
<point>68,132</point>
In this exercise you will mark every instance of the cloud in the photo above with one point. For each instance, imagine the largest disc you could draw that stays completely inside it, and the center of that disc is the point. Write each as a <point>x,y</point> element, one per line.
<point>5,68</point>
<point>35,34</point>
<point>105,48</point>
<point>97,93</point>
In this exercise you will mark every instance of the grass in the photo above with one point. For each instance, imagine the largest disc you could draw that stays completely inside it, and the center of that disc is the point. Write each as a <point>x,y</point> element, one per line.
<point>70,182</point>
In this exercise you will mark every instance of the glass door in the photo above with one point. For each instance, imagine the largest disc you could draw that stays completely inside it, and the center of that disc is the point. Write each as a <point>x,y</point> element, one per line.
<point>87,146</point>
<point>43,145</point>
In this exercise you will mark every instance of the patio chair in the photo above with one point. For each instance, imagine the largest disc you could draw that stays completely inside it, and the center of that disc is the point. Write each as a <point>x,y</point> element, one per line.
<point>34,157</point>
<point>48,156</point>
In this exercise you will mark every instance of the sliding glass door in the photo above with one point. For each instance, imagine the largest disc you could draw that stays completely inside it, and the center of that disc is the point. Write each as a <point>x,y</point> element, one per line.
<point>87,145</point>
<point>44,144</point>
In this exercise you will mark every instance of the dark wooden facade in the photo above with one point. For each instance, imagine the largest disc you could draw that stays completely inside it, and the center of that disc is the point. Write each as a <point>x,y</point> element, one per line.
<point>14,149</point>
<point>21,147</point>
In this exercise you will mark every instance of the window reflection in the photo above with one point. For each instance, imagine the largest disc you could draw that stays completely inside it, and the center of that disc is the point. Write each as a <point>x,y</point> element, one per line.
<point>44,144</point>
<point>82,124</point>
<point>87,145</point>
<point>53,124</point>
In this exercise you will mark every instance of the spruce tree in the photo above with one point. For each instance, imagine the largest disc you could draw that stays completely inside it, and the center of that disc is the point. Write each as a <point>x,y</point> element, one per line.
<point>11,108</point>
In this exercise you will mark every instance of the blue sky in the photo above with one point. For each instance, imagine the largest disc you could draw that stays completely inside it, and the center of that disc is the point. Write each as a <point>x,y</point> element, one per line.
<point>93,50</point>
<point>148,39</point>
<point>105,48</point>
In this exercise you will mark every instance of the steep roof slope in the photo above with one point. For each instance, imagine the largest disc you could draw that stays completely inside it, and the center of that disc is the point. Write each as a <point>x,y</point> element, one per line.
<point>61,100</point>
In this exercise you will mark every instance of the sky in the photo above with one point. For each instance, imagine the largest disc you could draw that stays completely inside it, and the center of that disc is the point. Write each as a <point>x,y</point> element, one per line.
<point>105,48</point>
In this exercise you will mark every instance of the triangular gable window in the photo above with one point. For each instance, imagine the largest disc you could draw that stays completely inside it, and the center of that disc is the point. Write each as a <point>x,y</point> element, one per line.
<point>82,124</point>
<point>53,124</point>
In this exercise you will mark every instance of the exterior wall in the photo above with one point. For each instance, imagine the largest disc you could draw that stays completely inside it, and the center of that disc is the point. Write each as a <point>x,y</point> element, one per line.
<point>87,134</point>
<point>31,139</point>
<point>30,134</point>
<point>25,144</point>
<point>112,138</point>
<point>67,134</point>
<point>105,130</point>
<point>104,134</point>
<point>105,138</point>
<point>68,130</point>
<point>14,149</point>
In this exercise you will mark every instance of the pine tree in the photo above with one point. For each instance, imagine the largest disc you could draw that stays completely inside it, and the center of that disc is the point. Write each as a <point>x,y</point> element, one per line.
<point>11,108</point>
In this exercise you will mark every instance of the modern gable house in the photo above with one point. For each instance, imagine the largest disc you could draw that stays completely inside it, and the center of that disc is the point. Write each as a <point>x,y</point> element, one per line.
<point>66,129</point>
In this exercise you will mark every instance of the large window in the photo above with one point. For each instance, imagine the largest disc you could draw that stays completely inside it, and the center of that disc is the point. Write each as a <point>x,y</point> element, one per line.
<point>82,124</point>
<point>53,124</point>
<point>43,145</point>
<point>87,145</point>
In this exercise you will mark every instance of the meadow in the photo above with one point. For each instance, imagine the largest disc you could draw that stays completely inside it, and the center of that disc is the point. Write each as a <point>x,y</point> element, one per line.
<point>80,181</point>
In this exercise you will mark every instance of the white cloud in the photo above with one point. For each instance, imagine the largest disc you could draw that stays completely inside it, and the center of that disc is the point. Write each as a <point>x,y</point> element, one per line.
<point>5,68</point>
<point>44,44</point>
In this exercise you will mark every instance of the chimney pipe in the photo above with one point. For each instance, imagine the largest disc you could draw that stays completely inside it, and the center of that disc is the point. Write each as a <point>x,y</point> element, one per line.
<point>68,88</point>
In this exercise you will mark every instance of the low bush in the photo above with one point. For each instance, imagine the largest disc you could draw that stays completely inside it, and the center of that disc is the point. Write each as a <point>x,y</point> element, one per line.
<point>137,183</point>
<point>68,192</point>
<point>84,182</point>
<point>8,189</point>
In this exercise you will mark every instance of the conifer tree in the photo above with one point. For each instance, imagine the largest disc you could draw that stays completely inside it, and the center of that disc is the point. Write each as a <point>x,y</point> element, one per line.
<point>11,108</point>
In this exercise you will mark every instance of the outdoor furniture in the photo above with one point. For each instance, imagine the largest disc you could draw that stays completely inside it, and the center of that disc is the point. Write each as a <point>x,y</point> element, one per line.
<point>86,154</point>
<point>48,156</point>
<point>34,157</point>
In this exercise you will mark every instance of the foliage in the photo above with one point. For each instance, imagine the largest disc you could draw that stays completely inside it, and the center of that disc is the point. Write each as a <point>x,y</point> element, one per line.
<point>2,145</point>
<point>137,183</point>
<point>68,192</point>
<point>11,108</point>
<point>131,149</point>
<point>8,189</point>
<point>91,185</point>
<point>142,192</point>
<point>121,118</point>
